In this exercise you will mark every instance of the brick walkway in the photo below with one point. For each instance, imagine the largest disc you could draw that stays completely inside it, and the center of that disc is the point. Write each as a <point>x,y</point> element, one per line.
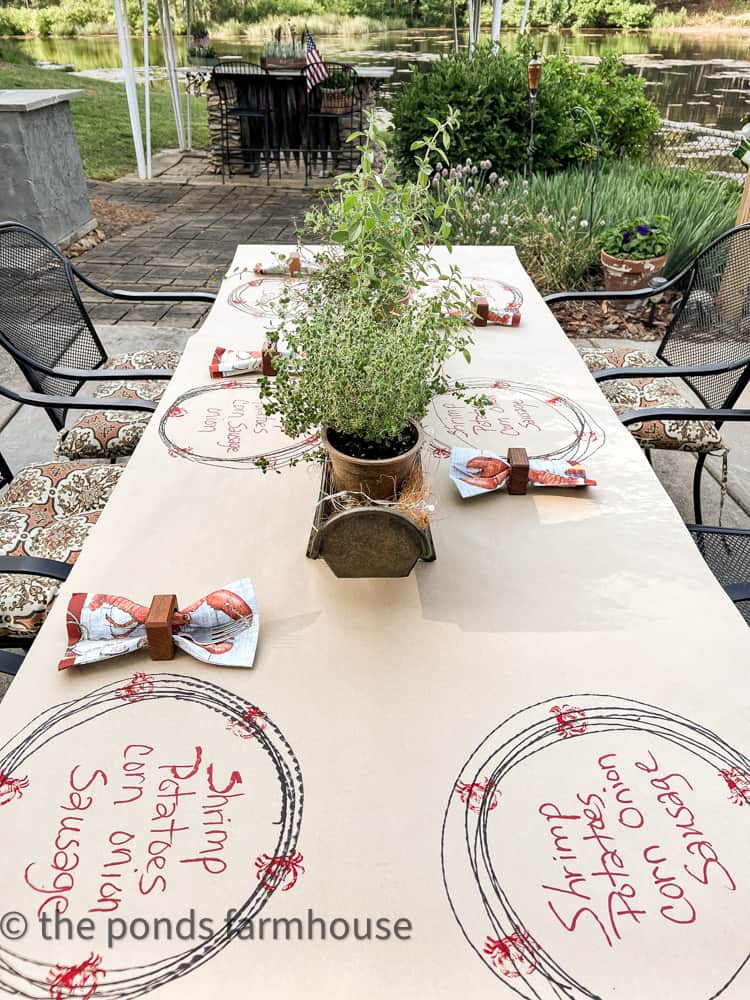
<point>188,246</point>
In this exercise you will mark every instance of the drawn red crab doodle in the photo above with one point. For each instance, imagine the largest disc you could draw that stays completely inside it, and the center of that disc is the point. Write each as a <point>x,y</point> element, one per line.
<point>138,687</point>
<point>11,788</point>
<point>571,721</point>
<point>253,720</point>
<point>473,794</point>
<point>512,956</point>
<point>79,981</point>
<point>738,783</point>
<point>274,871</point>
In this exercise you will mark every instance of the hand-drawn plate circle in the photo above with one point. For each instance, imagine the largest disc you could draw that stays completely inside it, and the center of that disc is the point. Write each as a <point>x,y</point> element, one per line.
<point>182,439</point>
<point>477,896</point>
<point>26,977</point>
<point>259,296</point>
<point>499,294</point>
<point>546,423</point>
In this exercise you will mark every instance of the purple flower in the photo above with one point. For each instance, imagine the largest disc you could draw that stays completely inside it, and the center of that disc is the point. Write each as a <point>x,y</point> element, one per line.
<point>644,230</point>
<point>626,236</point>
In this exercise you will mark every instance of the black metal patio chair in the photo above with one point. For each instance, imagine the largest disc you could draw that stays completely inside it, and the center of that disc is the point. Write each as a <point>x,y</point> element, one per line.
<point>46,513</point>
<point>706,345</point>
<point>45,328</point>
<point>727,552</point>
<point>333,105</point>
<point>245,117</point>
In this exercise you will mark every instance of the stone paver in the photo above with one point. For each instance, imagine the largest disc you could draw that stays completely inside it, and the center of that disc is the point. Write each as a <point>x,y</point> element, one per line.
<point>188,247</point>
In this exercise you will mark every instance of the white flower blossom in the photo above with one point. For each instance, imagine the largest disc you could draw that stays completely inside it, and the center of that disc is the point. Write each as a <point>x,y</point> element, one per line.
<point>492,178</point>
<point>584,223</point>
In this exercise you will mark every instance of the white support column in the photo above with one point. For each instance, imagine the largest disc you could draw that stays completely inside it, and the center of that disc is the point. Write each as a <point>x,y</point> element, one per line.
<point>126,55</point>
<point>525,17</point>
<point>170,61</point>
<point>146,90</point>
<point>470,11</point>
<point>188,104</point>
<point>497,23</point>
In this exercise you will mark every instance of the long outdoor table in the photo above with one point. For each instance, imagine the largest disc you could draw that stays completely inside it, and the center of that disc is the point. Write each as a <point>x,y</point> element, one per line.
<point>524,764</point>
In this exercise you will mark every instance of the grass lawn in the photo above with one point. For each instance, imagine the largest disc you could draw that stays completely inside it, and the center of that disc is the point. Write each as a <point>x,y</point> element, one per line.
<point>101,117</point>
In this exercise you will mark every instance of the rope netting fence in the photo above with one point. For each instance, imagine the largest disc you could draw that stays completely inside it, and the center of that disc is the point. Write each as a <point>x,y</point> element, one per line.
<point>690,146</point>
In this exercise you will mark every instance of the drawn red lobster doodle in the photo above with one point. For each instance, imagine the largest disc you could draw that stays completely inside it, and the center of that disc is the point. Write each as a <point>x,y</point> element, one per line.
<point>571,721</point>
<point>738,783</point>
<point>472,795</point>
<point>138,687</point>
<point>253,720</point>
<point>289,865</point>
<point>11,788</point>
<point>79,981</point>
<point>512,956</point>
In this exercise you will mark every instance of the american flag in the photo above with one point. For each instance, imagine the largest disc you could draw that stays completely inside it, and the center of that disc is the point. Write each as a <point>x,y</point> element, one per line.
<point>315,68</point>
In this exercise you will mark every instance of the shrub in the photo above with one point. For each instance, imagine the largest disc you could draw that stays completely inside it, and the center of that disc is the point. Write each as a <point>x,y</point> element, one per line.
<point>558,238</point>
<point>17,21</point>
<point>583,13</point>
<point>491,93</point>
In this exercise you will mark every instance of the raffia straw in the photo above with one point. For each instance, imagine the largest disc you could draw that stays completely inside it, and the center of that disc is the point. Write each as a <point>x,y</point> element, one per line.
<point>413,500</point>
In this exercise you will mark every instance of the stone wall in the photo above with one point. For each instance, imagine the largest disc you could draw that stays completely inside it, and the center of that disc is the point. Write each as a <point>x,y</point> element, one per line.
<point>43,184</point>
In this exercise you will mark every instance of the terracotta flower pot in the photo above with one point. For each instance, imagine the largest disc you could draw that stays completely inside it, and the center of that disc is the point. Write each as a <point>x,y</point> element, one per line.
<point>621,275</point>
<point>379,478</point>
<point>335,100</point>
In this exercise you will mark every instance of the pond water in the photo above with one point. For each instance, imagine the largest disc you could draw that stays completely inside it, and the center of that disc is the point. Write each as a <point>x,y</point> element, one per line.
<point>700,78</point>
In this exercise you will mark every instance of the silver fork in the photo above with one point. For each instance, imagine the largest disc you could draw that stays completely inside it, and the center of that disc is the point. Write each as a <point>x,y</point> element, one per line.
<point>230,628</point>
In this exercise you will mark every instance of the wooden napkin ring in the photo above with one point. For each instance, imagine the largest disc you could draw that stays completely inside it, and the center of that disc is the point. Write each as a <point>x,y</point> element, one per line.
<point>481,310</point>
<point>159,626</point>
<point>268,354</point>
<point>518,481</point>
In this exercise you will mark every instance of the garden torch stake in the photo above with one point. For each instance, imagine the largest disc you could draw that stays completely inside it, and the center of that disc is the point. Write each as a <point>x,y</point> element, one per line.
<point>534,74</point>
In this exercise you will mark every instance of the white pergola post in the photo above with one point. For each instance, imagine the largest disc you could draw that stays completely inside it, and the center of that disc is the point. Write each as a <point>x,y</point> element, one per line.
<point>146,90</point>
<point>170,61</point>
<point>525,17</point>
<point>126,55</point>
<point>497,23</point>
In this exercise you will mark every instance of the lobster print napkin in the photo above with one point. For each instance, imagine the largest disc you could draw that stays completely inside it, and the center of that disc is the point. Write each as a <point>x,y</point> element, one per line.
<point>226,362</point>
<point>221,628</point>
<point>476,472</point>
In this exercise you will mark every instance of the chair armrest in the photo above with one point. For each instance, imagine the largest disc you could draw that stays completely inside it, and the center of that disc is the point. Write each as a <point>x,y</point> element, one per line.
<point>632,296</point>
<point>683,413</point>
<point>120,293</point>
<point>34,566</point>
<point>77,402</point>
<point>85,374</point>
<point>670,371</point>
<point>703,529</point>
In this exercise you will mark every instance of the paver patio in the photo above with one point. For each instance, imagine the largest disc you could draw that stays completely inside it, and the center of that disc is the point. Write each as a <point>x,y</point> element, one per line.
<point>188,246</point>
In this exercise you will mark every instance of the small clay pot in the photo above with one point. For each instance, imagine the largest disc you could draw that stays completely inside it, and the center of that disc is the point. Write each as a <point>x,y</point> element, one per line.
<point>379,478</point>
<point>621,275</point>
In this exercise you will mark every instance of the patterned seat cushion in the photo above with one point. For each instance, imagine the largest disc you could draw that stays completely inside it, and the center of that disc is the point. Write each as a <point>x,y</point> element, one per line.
<point>113,433</point>
<point>47,512</point>
<point>628,395</point>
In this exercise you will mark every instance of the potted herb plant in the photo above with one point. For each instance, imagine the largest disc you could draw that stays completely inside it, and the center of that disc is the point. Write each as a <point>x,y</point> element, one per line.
<point>366,355</point>
<point>336,92</point>
<point>635,252</point>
